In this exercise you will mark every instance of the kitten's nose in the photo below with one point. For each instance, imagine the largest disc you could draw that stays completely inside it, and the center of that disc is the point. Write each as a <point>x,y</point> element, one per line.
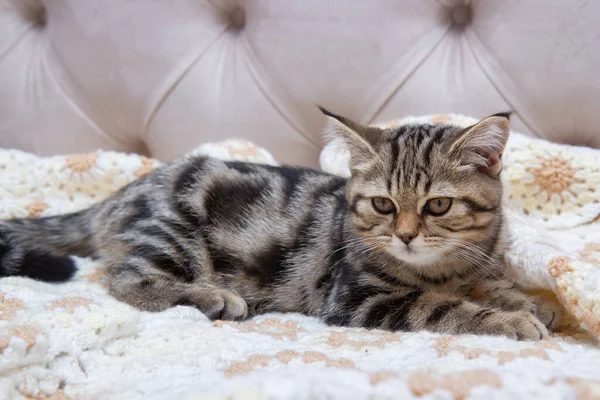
<point>406,238</point>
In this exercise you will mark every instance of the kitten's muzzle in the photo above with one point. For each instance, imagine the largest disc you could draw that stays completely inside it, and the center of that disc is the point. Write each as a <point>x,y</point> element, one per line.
<point>406,238</point>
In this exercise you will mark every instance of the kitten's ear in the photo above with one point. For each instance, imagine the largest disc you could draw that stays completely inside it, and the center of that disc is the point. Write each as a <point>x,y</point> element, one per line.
<point>482,144</point>
<point>361,140</point>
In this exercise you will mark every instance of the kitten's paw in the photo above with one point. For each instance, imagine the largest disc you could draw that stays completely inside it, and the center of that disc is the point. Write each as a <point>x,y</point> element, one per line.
<point>518,325</point>
<point>216,304</point>
<point>548,313</point>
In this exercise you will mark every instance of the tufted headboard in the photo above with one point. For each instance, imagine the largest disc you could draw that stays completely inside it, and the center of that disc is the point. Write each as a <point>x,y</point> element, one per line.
<point>160,77</point>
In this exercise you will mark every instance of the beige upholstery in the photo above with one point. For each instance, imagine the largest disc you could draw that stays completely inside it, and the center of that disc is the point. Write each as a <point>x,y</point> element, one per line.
<point>161,77</point>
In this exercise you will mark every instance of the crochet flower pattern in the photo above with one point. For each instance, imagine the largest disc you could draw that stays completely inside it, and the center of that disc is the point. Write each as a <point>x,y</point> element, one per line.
<point>552,183</point>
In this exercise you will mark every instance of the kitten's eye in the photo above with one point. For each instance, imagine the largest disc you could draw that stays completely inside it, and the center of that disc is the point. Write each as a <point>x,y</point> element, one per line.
<point>438,206</point>
<point>383,205</point>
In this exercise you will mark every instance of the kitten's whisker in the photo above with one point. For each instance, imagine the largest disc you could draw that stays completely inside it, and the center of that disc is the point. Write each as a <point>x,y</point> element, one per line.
<point>372,248</point>
<point>368,247</point>
<point>465,254</point>
<point>474,248</point>
<point>347,243</point>
<point>476,253</point>
<point>469,253</point>
<point>474,261</point>
<point>360,242</point>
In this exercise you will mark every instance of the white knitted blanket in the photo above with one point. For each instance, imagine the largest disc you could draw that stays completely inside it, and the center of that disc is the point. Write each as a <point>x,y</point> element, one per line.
<point>72,340</point>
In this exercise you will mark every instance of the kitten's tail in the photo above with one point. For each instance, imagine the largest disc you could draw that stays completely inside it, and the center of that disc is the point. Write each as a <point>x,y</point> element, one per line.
<point>39,248</point>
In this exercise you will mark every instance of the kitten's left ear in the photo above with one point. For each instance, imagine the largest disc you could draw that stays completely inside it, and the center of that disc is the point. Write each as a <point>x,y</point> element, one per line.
<point>482,144</point>
<point>361,140</point>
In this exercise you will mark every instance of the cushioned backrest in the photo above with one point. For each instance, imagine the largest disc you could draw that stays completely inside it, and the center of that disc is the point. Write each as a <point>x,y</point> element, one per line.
<point>163,76</point>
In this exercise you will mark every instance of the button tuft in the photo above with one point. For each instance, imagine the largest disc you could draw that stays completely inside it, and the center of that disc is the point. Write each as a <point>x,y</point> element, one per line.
<point>31,10</point>
<point>461,15</point>
<point>237,18</point>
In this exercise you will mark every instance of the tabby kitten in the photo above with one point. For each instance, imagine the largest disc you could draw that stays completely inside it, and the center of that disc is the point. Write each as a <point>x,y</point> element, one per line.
<point>413,240</point>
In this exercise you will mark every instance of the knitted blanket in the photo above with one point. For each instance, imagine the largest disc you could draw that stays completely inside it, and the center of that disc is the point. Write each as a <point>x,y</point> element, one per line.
<point>73,341</point>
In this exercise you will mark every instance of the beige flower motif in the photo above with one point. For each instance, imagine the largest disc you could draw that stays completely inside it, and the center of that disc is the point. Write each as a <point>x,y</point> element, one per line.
<point>79,175</point>
<point>147,166</point>
<point>508,356</point>
<point>591,253</point>
<point>382,376</point>
<point>440,119</point>
<point>446,345</point>
<point>98,275</point>
<point>310,357</point>
<point>585,389</point>
<point>580,311</point>
<point>363,338</point>
<point>36,208</point>
<point>9,307</point>
<point>235,149</point>
<point>548,180</point>
<point>243,367</point>
<point>459,384</point>
<point>59,394</point>
<point>274,327</point>
<point>559,266</point>
<point>285,356</point>
<point>554,175</point>
<point>69,304</point>
<point>241,149</point>
<point>26,333</point>
<point>80,163</point>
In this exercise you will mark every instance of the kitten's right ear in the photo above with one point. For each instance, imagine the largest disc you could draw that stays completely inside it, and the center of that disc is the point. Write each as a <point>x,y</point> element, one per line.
<point>360,140</point>
<point>482,144</point>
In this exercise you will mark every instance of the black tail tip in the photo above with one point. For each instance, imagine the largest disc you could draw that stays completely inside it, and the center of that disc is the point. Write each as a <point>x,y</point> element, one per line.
<point>46,267</point>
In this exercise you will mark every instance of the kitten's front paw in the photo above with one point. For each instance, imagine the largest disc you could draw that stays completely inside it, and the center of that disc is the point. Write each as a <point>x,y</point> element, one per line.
<point>518,325</point>
<point>220,304</point>
<point>548,313</point>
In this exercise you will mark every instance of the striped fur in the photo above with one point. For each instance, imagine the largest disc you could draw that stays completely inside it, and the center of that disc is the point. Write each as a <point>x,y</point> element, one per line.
<point>233,238</point>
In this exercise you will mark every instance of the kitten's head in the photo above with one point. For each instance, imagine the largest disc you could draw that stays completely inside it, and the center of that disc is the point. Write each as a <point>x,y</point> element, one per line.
<point>429,195</point>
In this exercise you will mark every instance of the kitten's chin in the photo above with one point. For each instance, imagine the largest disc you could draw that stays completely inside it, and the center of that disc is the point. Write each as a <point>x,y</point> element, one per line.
<point>416,257</point>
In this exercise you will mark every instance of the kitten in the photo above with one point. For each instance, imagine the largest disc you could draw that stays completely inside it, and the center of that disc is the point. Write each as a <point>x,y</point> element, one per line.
<point>413,240</point>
